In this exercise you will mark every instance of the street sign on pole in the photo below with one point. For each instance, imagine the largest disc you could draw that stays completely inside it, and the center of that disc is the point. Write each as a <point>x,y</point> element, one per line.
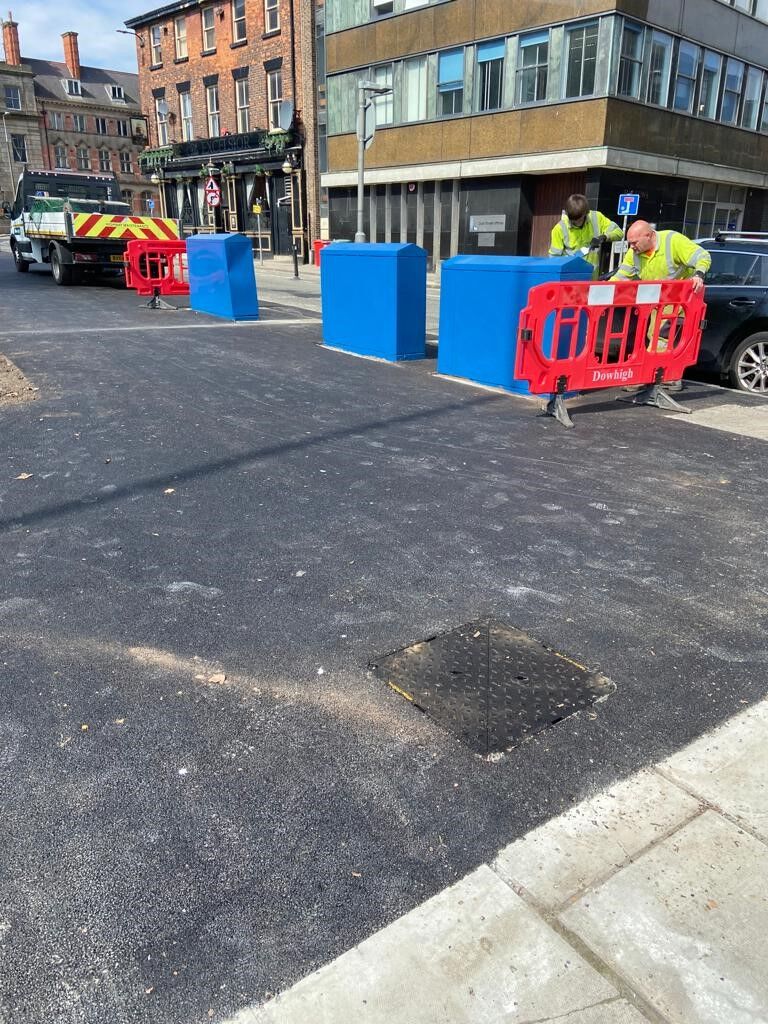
<point>213,198</point>
<point>629,203</point>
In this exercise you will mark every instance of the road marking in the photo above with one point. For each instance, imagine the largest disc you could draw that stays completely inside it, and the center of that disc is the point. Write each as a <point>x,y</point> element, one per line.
<point>169,327</point>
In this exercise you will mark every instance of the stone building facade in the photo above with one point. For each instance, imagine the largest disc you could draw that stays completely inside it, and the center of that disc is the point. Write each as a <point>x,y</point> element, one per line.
<point>74,117</point>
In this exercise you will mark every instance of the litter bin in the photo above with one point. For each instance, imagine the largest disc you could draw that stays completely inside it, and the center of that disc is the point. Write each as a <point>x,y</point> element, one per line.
<point>317,245</point>
<point>374,299</point>
<point>222,281</point>
<point>481,298</point>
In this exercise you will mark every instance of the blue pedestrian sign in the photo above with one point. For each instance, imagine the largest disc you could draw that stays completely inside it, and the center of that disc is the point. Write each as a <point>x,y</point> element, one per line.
<point>629,203</point>
<point>150,204</point>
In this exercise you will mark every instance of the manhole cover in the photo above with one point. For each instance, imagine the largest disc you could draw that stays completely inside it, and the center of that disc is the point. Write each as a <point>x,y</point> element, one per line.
<point>491,685</point>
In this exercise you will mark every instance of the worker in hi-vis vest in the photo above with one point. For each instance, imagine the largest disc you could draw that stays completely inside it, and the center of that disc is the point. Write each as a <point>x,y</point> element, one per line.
<point>581,228</point>
<point>663,256</point>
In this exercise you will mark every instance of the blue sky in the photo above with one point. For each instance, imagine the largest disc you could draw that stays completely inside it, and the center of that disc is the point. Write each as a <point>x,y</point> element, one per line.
<point>41,23</point>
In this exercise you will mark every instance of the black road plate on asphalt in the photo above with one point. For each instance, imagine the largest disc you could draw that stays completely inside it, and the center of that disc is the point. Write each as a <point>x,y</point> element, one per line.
<point>491,685</point>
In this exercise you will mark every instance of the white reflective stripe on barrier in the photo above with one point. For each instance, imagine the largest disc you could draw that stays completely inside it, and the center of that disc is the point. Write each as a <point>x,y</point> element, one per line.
<point>648,293</point>
<point>601,294</point>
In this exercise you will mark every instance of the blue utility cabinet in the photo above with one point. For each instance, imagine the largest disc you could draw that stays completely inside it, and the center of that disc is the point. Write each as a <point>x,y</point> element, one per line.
<point>222,281</point>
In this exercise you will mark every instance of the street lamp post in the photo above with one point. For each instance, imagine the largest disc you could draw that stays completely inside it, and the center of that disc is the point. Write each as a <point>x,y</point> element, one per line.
<point>158,178</point>
<point>366,127</point>
<point>8,151</point>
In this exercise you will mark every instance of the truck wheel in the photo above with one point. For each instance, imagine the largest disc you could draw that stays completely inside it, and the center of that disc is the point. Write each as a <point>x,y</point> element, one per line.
<point>63,273</point>
<point>21,264</point>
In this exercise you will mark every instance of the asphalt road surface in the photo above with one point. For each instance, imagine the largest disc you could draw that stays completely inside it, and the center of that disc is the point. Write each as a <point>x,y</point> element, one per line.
<point>206,792</point>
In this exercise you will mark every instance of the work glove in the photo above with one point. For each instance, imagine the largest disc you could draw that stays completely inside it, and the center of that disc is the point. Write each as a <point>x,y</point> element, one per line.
<point>596,242</point>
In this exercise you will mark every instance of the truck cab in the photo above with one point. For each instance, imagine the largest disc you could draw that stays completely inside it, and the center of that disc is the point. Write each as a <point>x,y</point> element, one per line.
<point>77,223</point>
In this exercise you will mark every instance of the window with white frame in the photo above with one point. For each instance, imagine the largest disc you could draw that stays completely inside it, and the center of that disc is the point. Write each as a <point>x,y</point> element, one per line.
<point>732,83</point>
<point>581,59</point>
<point>78,122</point>
<point>161,117</point>
<point>72,86</point>
<point>274,96</point>
<point>207,16</point>
<point>382,7</point>
<point>490,74</point>
<point>750,110</point>
<point>101,125</point>
<point>243,100</point>
<point>60,152</point>
<point>12,97</point>
<point>56,120</point>
<point>83,159</point>
<point>116,92</point>
<point>271,15</point>
<point>125,162</point>
<point>238,21</point>
<point>156,44</point>
<point>688,59</point>
<point>122,128</point>
<point>212,105</point>
<point>450,82</point>
<point>415,89</point>
<point>630,60</point>
<point>185,109</point>
<point>383,103</point>
<point>19,148</point>
<point>659,67</point>
<point>533,64</point>
<point>180,37</point>
<point>105,162</point>
<point>709,87</point>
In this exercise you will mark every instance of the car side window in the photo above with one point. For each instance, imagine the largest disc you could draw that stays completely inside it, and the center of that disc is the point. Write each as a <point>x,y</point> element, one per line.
<point>734,268</point>
<point>761,271</point>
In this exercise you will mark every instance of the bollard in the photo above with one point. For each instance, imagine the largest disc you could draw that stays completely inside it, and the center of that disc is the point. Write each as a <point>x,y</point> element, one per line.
<point>295,259</point>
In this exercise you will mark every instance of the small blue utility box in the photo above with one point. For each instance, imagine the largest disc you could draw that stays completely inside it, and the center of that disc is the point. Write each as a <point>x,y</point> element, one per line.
<point>222,281</point>
<point>375,299</point>
<point>481,298</point>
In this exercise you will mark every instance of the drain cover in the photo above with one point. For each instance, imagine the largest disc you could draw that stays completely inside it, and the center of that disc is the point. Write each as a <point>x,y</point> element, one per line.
<point>490,684</point>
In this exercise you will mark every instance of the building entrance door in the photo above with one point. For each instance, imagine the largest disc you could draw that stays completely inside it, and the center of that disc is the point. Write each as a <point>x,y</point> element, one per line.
<point>551,193</point>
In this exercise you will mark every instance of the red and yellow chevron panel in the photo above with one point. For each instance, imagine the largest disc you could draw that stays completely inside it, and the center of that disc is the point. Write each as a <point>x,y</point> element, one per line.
<point>109,225</point>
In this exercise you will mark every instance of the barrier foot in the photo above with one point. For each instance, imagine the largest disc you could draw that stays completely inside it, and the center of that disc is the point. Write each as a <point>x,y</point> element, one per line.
<point>556,407</point>
<point>656,395</point>
<point>157,303</point>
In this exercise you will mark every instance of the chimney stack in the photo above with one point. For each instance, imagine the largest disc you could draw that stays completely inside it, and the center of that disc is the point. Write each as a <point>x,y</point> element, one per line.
<point>71,54</point>
<point>11,41</point>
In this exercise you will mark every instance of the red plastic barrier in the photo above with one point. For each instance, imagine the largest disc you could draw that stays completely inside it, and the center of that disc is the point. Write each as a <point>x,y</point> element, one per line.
<point>582,335</point>
<point>157,268</point>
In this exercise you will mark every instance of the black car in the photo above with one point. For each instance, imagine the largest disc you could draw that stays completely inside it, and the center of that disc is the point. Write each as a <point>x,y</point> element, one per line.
<point>734,345</point>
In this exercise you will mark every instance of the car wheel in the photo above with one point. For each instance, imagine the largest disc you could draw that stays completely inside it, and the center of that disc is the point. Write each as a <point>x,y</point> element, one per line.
<point>21,264</point>
<point>63,273</point>
<point>748,368</point>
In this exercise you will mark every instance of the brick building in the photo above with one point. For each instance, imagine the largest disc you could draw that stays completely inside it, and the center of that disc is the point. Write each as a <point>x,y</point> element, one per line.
<point>67,115</point>
<point>230,90</point>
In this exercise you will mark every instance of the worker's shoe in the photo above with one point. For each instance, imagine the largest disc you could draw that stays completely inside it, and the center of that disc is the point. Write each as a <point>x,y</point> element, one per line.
<point>672,387</point>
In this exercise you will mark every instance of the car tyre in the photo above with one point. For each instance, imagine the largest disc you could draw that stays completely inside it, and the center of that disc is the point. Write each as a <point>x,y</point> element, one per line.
<point>748,366</point>
<point>63,273</point>
<point>21,264</point>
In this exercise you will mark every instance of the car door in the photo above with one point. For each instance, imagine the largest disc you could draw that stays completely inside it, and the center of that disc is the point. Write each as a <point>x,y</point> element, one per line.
<point>735,289</point>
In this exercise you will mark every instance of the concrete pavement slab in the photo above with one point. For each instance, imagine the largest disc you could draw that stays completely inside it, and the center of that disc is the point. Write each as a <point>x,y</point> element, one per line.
<point>728,768</point>
<point>474,954</point>
<point>746,420</point>
<point>576,850</point>
<point>685,924</point>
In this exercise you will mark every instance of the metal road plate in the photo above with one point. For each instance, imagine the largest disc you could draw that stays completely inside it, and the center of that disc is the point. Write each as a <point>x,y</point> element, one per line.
<point>490,684</point>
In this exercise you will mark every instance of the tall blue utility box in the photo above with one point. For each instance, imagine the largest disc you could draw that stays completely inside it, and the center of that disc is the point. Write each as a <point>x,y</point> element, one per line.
<point>375,299</point>
<point>222,281</point>
<point>481,298</point>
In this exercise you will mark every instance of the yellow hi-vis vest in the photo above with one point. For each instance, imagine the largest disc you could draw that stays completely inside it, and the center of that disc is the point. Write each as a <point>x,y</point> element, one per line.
<point>567,240</point>
<point>674,258</point>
